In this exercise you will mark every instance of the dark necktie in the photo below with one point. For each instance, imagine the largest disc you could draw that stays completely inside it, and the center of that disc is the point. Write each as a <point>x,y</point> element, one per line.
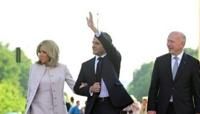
<point>98,73</point>
<point>99,69</point>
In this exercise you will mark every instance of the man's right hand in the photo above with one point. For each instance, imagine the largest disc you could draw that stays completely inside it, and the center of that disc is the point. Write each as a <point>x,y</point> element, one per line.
<point>90,23</point>
<point>95,88</point>
<point>151,112</point>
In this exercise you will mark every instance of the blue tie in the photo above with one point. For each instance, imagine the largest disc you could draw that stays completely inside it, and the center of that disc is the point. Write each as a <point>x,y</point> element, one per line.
<point>175,67</point>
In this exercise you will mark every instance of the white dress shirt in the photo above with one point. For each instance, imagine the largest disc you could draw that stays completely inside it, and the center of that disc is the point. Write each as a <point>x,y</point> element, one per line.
<point>104,90</point>
<point>172,65</point>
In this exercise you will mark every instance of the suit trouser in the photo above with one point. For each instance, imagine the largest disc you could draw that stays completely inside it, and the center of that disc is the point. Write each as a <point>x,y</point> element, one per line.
<point>170,109</point>
<point>104,107</point>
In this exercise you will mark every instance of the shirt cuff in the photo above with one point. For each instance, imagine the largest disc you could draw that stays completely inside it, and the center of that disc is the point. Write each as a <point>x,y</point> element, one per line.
<point>91,93</point>
<point>97,34</point>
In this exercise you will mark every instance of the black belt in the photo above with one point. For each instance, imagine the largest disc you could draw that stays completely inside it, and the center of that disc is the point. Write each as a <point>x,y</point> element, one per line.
<point>103,99</point>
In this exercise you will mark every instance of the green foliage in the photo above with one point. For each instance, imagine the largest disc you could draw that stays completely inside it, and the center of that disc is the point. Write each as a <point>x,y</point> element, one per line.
<point>8,66</point>
<point>139,86</point>
<point>13,80</point>
<point>11,99</point>
<point>140,83</point>
<point>192,52</point>
<point>10,70</point>
<point>24,70</point>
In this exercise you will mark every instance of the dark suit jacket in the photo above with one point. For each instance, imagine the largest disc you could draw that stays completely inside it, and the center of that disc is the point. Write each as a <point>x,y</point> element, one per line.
<point>185,88</point>
<point>110,74</point>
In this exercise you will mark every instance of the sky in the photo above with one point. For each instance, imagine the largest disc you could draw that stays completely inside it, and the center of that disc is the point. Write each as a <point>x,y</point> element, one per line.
<point>139,28</point>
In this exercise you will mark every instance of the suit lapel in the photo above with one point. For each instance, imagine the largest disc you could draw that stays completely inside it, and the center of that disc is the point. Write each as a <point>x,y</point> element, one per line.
<point>169,71</point>
<point>181,67</point>
<point>91,70</point>
<point>108,72</point>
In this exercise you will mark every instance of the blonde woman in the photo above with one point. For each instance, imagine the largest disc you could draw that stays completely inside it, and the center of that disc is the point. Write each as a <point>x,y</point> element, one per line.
<point>46,82</point>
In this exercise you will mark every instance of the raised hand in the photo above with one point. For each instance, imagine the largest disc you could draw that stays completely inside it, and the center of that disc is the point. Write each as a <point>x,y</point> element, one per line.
<point>90,23</point>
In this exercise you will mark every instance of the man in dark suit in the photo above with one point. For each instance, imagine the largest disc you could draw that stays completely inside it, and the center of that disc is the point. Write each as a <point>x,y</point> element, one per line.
<point>99,77</point>
<point>175,82</point>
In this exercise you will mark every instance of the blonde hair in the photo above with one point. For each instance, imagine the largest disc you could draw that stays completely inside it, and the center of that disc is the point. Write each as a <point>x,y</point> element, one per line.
<point>52,50</point>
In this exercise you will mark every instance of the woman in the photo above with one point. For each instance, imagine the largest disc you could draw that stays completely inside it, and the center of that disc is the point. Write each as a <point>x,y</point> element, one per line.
<point>46,82</point>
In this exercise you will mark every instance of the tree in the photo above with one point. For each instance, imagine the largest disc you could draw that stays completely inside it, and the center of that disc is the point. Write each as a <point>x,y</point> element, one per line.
<point>13,80</point>
<point>24,66</point>
<point>11,98</point>
<point>8,66</point>
<point>12,71</point>
<point>141,81</point>
<point>192,52</point>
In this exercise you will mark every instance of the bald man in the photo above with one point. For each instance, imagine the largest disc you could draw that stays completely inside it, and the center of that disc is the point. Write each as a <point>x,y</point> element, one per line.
<point>175,81</point>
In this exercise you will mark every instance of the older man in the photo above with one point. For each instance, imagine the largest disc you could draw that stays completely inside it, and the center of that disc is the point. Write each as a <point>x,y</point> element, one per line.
<point>175,82</point>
